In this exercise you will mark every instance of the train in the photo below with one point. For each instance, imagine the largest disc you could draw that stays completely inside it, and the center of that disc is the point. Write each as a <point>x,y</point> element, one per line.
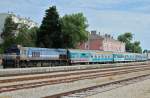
<point>18,56</point>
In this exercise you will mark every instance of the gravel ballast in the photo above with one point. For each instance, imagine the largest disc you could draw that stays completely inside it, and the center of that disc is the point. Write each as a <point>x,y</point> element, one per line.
<point>64,87</point>
<point>137,90</point>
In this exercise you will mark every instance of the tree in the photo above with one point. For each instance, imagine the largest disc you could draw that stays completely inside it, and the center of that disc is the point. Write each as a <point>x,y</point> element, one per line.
<point>8,35</point>
<point>27,37</point>
<point>130,47</point>
<point>9,28</point>
<point>74,29</point>
<point>17,33</point>
<point>136,47</point>
<point>126,38</point>
<point>49,34</point>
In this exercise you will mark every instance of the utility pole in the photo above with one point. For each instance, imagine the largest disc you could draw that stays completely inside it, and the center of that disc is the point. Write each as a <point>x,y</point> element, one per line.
<point>133,42</point>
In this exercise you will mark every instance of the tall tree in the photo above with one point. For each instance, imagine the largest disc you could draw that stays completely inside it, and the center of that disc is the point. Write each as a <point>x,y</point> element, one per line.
<point>130,47</point>
<point>49,34</point>
<point>9,27</point>
<point>8,34</point>
<point>74,29</point>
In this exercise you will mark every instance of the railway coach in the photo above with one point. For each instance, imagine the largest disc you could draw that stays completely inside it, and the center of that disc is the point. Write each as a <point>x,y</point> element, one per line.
<point>76,56</point>
<point>101,56</point>
<point>124,57</point>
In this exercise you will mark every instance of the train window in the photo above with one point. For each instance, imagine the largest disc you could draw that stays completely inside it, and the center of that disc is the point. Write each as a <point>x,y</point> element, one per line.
<point>35,54</point>
<point>95,56</point>
<point>24,52</point>
<point>32,54</point>
<point>84,55</point>
<point>125,56</point>
<point>118,56</point>
<point>38,54</point>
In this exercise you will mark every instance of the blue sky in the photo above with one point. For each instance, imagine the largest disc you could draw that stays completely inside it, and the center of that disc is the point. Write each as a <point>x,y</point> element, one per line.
<point>106,16</point>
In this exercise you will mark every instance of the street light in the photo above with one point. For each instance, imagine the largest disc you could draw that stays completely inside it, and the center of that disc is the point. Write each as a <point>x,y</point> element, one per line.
<point>133,35</point>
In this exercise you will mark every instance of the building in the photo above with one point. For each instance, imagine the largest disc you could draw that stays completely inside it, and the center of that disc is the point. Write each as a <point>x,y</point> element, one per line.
<point>103,43</point>
<point>27,21</point>
<point>16,19</point>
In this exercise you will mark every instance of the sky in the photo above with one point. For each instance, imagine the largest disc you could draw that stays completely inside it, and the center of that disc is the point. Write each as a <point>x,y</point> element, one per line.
<point>106,16</point>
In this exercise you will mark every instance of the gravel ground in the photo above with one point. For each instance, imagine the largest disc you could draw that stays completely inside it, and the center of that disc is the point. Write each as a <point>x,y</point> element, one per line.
<point>53,89</point>
<point>137,90</point>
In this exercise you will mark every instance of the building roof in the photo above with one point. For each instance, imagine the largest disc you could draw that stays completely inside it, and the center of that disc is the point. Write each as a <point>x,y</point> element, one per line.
<point>93,35</point>
<point>106,37</point>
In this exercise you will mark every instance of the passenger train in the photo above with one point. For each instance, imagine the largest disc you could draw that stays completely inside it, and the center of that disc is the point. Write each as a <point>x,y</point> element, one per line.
<point>18,56</point>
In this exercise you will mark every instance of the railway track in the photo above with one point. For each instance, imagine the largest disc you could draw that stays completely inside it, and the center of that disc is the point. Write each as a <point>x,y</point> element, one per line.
<point>62,74</point>
<point>27,82</point>
<point>89,91</point>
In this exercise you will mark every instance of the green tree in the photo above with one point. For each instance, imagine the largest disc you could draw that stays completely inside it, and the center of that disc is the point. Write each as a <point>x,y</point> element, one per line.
<point>8,35</point>
<point>27,37</point>
<point>9,28</point>
<point>49,34</point>
<point>136,47</point>
<point>126,38</point>
<point>17,33</point>
<point>130,47</point>
<point>74,29</point>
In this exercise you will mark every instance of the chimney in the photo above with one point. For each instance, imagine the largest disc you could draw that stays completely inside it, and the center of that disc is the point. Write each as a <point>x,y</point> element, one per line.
<point>106,35</point>
<point>99,33</point>
<point>93,32</point>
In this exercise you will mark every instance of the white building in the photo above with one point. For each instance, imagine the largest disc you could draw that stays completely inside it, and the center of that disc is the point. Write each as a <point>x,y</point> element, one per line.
<point>16,19</point>
<point>27,21</point>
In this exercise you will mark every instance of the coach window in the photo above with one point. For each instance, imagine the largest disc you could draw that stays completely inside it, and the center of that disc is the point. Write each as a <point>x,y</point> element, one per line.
<point>32,54</point>
<point>24,52</point>
<point>95,56</point>
<point>38,54</point>
<point>102,56</point>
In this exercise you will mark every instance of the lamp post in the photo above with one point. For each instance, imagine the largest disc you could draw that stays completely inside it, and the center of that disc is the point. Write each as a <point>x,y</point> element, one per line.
<point>133,35</point>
